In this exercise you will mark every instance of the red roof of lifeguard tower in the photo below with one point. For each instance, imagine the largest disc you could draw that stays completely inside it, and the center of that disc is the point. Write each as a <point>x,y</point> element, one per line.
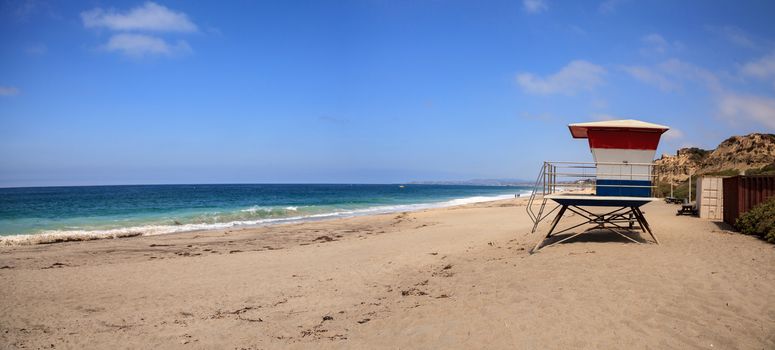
<point>579,130</point>
<point>619,134</point>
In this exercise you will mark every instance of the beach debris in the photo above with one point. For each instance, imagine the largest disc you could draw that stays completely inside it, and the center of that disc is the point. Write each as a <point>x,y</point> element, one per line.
<point>122,327</point>
<point>90,310</point>
<point>6,267</point>
<point>161,245</point>
<point>413,291</point>
<point>250,319</point>
<point>585,252</point>
<point>443,296</point>
<point>56,265</point>
<point>402,217</point>
<point>434,253</point>
<point>364,320</point>
<point>235,251</point>
<point>240,313</point>
<point>186,339</point>
<point>444,272</point>
<point>318,331</point>
<point>185,253</point>
<point>323,238</point>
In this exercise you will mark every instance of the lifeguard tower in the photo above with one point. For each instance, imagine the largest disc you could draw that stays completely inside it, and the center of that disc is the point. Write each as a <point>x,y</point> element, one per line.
<point>619,181</point>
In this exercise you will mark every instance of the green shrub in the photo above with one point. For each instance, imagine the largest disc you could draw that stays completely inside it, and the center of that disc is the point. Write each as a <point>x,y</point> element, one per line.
<point>759,221</point>
<point>766,170</point>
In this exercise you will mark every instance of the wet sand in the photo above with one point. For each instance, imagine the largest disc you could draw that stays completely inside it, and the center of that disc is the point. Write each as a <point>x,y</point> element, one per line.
<point>457,277</point>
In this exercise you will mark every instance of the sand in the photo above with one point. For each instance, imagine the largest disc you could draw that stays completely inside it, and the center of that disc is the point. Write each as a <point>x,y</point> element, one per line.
<point>456,277</point>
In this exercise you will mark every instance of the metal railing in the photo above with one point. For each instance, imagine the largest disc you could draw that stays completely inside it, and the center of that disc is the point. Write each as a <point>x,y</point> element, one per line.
<point>582,177</point>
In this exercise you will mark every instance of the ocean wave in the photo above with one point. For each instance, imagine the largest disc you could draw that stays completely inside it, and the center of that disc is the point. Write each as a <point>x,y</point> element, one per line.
<point>258,208</point>
<point>56,236</point>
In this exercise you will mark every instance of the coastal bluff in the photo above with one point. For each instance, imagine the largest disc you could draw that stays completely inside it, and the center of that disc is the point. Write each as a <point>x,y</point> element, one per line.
<point>753,153</point>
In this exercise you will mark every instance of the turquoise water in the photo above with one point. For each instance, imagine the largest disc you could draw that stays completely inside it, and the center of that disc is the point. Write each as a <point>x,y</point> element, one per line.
<point>158,209</point>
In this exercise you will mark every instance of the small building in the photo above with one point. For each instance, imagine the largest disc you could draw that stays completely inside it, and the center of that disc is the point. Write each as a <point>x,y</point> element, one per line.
<point>710,197</point>
<point>742,193</point>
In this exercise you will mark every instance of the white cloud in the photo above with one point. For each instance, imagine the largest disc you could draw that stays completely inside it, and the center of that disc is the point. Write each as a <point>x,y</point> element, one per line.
<point>535,6</point>
<point>652,77</point>
<point>24,10</point>
<point>762,68</point>
<point>740,109</point>
<point>139,45</point>
<point>681,69</point>
<point>656,41</point>
<point>148,17</point>
<point>734,35</point>
<point>8,91</point>
<point>657,44</point>
<point>673,134</point>
<point>747,108</point>
<point>678,72</point>
<point>577,76</point>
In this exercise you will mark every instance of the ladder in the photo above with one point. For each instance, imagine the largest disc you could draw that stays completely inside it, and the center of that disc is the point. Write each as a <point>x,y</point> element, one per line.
<point>544,184</point>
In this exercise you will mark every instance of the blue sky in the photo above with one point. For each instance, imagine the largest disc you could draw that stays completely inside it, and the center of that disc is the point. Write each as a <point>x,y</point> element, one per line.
<point>134,92</point>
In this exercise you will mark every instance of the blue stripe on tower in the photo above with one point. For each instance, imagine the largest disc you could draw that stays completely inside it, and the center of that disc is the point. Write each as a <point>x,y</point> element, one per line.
<point>622,188</point>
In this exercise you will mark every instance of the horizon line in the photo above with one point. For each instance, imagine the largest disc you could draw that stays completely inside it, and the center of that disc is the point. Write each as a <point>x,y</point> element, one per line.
<point>413,182</point>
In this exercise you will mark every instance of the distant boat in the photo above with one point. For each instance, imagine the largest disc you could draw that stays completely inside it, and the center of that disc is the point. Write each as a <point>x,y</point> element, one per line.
<point>401,186</point>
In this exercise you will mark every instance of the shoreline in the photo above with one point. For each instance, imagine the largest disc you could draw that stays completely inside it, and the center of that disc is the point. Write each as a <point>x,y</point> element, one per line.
<point>60,236</point>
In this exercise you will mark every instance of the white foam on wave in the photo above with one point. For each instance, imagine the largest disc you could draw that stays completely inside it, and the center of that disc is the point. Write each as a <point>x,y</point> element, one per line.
<point>55,236</point>
<point>258,208</point>
<point>254,209</point>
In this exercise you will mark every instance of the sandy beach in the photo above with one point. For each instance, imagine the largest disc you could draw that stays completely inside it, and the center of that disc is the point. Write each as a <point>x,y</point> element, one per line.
<point>458,277</point>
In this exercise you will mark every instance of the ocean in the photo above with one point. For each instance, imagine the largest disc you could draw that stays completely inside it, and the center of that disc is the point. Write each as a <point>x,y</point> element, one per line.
<point>45,214</point>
